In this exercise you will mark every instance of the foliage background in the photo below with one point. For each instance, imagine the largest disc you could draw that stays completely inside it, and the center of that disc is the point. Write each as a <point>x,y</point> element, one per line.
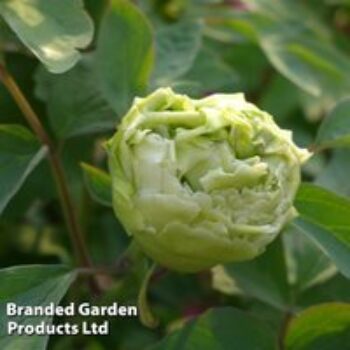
<point>79,65</point>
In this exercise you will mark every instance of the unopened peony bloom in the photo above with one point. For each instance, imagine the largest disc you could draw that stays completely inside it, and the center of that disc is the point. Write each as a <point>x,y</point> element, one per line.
<point>202,182</point>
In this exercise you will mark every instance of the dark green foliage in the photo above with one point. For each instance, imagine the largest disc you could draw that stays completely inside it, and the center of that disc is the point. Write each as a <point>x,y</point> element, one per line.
<point>80,64</point>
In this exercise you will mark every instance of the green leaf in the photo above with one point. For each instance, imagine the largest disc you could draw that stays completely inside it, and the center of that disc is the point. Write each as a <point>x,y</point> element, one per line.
<point>280,98</point>
<point>209,72</point>
<point>96,10</point>
<point>124,54</point>
<point>177,46</point>
<point>221,329</point>
<point>30,285</point>
<point>307,264</point>
<point>250,64</point>
<point>335,176</point>
<point>265,277</point>
<point>299,46</point>
<point>129,285</point>
<point>74,103</point>
<point>334,290</point>
<point>321,327</point>
<point>53,30</point>
<point>98,184</point>
<point>20,153</point>
<point>325,218</point>
<point>335,128</point>
<point>21,68</point>
<point>313,65</point>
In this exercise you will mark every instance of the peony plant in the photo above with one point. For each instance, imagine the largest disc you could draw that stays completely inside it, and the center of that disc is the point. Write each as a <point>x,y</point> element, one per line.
<point>202,182</point>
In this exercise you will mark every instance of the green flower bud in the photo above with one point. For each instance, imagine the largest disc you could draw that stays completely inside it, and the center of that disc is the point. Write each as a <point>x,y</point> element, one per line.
<point>202,182</point>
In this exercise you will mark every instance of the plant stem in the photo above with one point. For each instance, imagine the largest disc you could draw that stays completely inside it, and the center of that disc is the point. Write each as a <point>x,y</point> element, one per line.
<point>283,330</point>
<point>76,235</point>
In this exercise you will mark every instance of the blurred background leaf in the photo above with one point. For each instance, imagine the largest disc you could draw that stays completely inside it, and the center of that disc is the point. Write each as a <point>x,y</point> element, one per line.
<point>52,31</point>
<point>177,46</point>
<point>124,66</point>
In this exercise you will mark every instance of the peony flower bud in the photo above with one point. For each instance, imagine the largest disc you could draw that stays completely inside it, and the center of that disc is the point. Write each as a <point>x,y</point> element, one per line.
<point>202,182</point>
